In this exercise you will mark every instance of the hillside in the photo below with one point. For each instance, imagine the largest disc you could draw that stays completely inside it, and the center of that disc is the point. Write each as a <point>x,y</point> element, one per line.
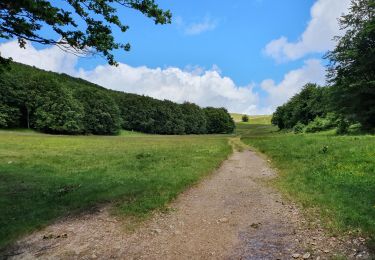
<point>61,104</point>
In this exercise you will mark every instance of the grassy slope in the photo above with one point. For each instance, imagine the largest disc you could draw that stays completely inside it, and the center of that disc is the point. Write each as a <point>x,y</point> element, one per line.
<point>44,177</point>
<point>259,119</point>
<point>340,182</point>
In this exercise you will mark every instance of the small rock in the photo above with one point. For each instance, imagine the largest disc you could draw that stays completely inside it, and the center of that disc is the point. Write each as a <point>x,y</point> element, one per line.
<point>223,220</point>
<point>326,251</point>
<point>156,230</point>
<point>296,256</point>
<point>49,236</point>
<point>255,225</point>
<point>362,239</point>
<point>318,258</point>
<point>306,256</point>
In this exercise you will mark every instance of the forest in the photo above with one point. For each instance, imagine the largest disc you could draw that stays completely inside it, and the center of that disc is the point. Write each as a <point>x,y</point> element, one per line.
<point>60,104</point>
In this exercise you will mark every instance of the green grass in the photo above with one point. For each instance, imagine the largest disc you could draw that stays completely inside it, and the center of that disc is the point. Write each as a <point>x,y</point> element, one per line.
<point>337,181</point>
<point>44,177</point>
<point>259,119</point>
<point>127,133</point>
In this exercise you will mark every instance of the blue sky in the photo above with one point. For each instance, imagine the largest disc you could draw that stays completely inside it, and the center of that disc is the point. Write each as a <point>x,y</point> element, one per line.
<point>246,55</point>
<point>240,32</point>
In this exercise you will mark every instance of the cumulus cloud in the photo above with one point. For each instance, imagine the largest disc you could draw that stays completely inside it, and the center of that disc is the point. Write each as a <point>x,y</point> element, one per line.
<point>194,84</point>
<point>312,72</point>
<point>317,37</point>
<point>52,59</point>
<point>205,87</point>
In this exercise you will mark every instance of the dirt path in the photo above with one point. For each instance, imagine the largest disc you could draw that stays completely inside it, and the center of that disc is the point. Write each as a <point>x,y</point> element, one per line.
<point>231,215</point>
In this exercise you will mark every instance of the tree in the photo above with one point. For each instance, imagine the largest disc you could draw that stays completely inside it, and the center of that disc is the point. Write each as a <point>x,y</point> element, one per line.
<point>9,116</point>
<point>311,102</point>
<point>24,19</point>
<point>219,121</point>
<point>194,117</point>
<point>245,118</point>
<point>101,113</point>
<point>352,64</point>
<point>59,113</point>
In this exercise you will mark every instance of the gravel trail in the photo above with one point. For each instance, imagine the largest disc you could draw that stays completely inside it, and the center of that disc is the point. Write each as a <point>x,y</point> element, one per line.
<point>232,214</point>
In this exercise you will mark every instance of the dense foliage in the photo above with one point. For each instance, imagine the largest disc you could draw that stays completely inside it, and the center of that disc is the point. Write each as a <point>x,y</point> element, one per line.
<point>352,69</point>
<point>60,104</point>
<point>304,107</point>
<point>245,118</point>
<point>219,121</point>
<point>350,98</point>
<point>82,26</point>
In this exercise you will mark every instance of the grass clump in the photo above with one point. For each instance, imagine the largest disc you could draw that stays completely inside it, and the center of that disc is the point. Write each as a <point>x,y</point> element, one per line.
<point>43,177</point>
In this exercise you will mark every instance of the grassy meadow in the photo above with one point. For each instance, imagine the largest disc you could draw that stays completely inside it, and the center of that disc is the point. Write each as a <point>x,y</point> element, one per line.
<point>44,177</point>
<point>258,119</point>
<point>334,175</point>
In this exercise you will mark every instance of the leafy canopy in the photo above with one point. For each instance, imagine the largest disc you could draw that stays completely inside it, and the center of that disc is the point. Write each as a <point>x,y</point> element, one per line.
<point>83,26</point>
<point>352,68</point>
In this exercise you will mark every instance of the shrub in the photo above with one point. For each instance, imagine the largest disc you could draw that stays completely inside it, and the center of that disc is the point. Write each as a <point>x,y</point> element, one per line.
<point>320,124</point>
<point>245,118</point>
<point>343,126</point>
<point>299,128</point>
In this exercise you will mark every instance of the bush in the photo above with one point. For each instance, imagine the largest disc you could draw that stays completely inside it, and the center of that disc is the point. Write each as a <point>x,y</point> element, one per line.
<point>320,124</point>
<point>245,118</point>
<point>343,126</point>
<point>299,128</point>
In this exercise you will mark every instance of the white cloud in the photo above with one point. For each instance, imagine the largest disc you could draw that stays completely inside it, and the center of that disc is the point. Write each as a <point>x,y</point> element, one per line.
<point>206,88</point>
<point>195,84</point>
<point>52,59</point>
<point>312,72</point>
<point>318,35</point>
<point>207,24</point>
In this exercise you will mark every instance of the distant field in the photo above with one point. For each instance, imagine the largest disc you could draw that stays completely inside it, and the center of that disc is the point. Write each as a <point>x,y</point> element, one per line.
<point>260,119</point>
<point>334,174</point>
<point>44,177</point>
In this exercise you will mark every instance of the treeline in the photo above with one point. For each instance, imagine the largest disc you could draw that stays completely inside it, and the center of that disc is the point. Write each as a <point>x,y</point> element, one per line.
<point>308,111</point>
<point>60,104</point>
<point>314,109</point>
<point>349,100</point>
